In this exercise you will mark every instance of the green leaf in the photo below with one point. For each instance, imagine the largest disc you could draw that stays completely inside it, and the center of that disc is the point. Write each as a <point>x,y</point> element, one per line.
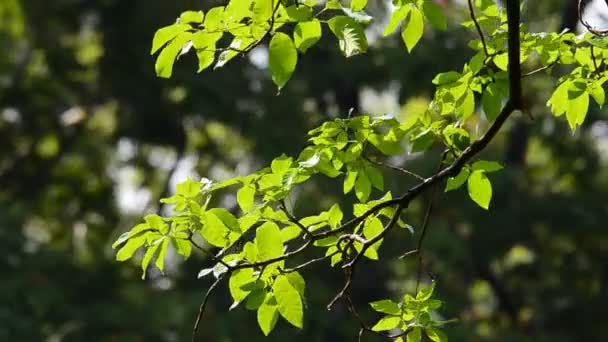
<point>396,18</point>
<point>214,230</point>
<point>307,34</point>
<point>289,301</point>
<point>375,176</point>
<point>415,335</point>
<point>298,13</point>
<point>333,4</point>
<point>491,101</point>
<point>426,293</point>
<point>412,31</point>
<point>436,335</point>
<point>166,58</point>
<point>237,282</point>
<point>435,15</point>
<point>183,247</point>
<point>446,78</point>
<point>350,34</point>
<point>146,259</point>
<point>457,181</point>
<point>269,241</point>
<point>127,251</point>
<point>297,281</point>
<point>363,186</point>
<point>487,166</point>
<point>559,99</point>
<point>597,92</point>
<point>165,34</point>
<point>577,108</point>
<point>188,188</point>
<point>268,314</point>
<point>290,232</point>
<point>387,323</point>
<point>228,220</point>
<point>191,17</point>
<point>480,188</point>
<point>282,59</point>
<point>386,306</point>
<point>335,216</point>
<point>255,299</point>
<point>502,61</point>
<point>160,259</point>
<point>358,5</point>
<point>349,181</point>
<point>245,197</point>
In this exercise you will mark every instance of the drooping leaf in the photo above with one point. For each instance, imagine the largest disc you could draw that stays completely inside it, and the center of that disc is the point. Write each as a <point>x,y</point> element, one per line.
<point>414,28</point>
<point>282,59</point>
<point>268,314</point>
<point>166,58</point>
<point>238,279</point>
<point>363,186</point>
<point>245,197</point>
<point>480,188</point>
<point>165,34</point>
<point>147,258</point>
<point>160,259</point>
<point>349,181</point>
<point>269,241</point>
<point>289,301</point>
<point>415,335</point>
<point>396,18</point>
<point>127,251</point>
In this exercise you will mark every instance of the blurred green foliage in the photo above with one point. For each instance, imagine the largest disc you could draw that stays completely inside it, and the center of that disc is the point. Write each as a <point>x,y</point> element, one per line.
<point>90,140</point>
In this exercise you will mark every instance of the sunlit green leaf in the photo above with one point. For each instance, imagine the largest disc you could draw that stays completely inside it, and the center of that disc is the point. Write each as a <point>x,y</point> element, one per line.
<point>358,5</point>
<point>350,34</point>
<point>396,18</point>
<point>415,335</point>
<point>306,34</point>
<point>127,251</point>
<point>160,259</point>
<point>387,323</point>
<point>268,314</point>
<point>269,241</point>
<point>282,58</point>
<point>245,197</point>
<point>363,186</point>
<point>289,301</point>
<point>435,335</point>
<point>480,188</point>
<point>191,17</point>
<point>413,29</point>
<point>386,306</point>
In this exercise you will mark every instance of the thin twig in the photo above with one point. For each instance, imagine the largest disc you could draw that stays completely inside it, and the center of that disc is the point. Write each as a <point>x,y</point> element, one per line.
<point>393,167</point>
<point>479,31</point>
<point>425,224</point>
<point>201,309</point>
<point>294,220</point>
